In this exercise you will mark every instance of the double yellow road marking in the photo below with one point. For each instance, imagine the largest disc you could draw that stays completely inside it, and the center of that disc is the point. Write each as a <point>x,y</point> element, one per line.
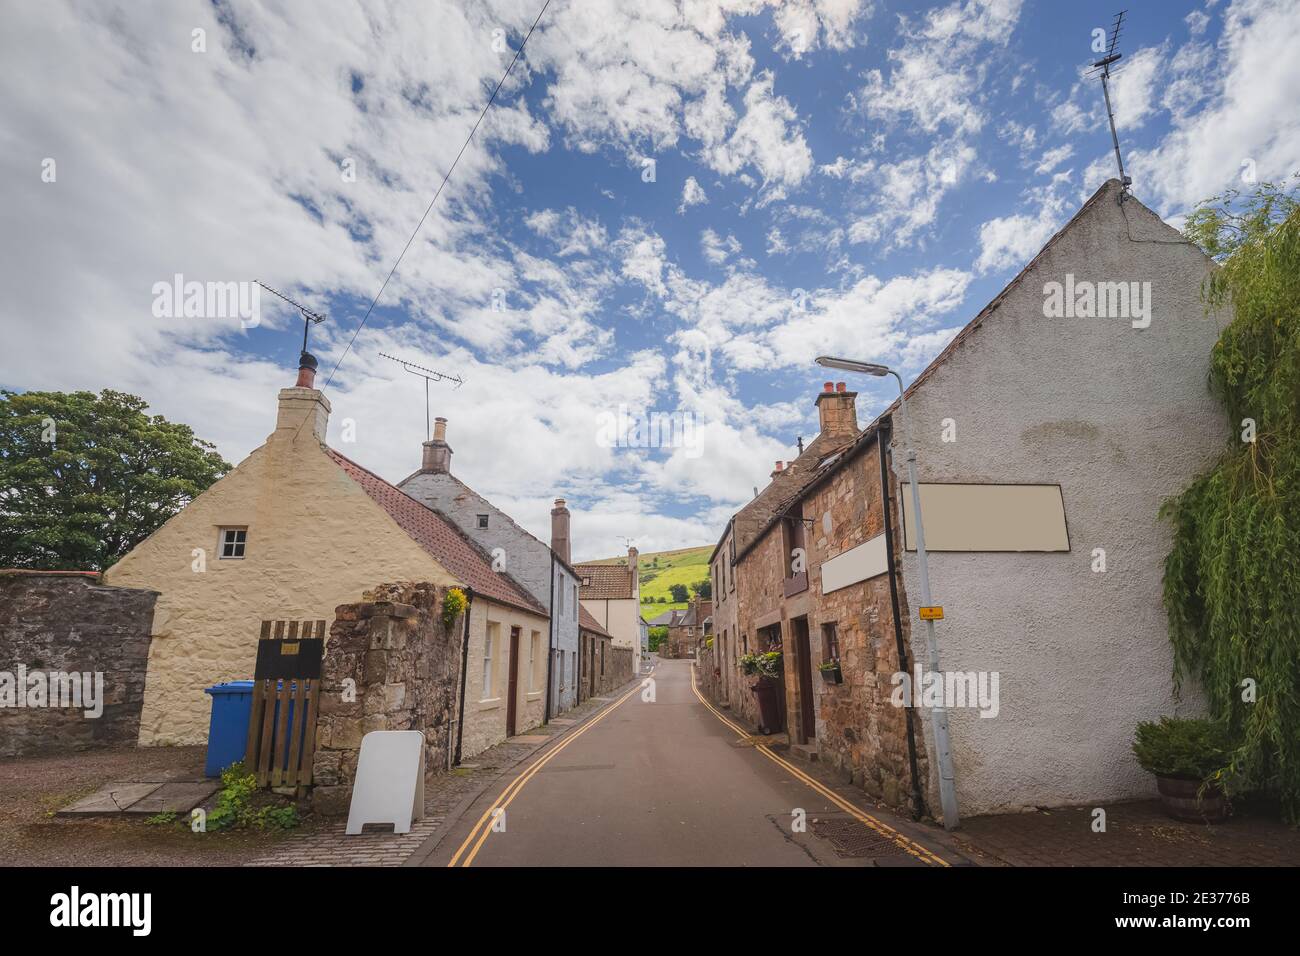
<point>908,845</point>
<point>483,828</point>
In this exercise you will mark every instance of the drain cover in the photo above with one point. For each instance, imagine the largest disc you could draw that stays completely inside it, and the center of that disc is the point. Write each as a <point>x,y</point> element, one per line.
<point>852,839</point>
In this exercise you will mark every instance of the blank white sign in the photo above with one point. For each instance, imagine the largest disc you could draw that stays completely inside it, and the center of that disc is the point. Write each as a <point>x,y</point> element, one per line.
<point>988,518</point>
<point>390,780</point>
<point>857,564</point>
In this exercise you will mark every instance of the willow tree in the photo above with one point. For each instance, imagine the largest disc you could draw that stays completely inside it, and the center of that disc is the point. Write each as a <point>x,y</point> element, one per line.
<point>1232,579</point>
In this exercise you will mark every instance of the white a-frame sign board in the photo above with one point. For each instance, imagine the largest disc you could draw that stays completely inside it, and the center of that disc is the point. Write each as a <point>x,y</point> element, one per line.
<point>390,780</point>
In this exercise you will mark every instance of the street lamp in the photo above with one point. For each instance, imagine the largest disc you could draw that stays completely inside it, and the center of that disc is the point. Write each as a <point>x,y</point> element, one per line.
<point>947,784</point>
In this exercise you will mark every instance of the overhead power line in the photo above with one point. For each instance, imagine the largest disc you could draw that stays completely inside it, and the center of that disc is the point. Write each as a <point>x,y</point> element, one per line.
<point>468,139</point>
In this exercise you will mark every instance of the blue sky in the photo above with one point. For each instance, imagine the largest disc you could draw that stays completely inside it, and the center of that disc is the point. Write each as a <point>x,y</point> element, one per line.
<point>835,176</point>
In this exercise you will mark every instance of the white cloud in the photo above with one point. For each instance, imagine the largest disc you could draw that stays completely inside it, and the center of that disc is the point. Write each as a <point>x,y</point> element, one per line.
<point>1053,158</point>
<point>1250,115</point>
<point>767,138</point>
<point>716,248</point>
<point>938,73</point>
<point>692,195</point>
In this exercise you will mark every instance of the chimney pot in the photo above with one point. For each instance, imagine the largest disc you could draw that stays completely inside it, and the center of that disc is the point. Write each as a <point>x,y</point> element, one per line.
<point>780,465</point>
<point>440,429</point>
<point>840,387</point>
<point>307,365</point>
<point>828,386</point>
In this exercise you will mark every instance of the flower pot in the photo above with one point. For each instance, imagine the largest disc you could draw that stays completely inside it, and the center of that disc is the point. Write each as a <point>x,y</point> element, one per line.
<point>832,675</point>
<point>1182,800</point>
<point>769,709</point>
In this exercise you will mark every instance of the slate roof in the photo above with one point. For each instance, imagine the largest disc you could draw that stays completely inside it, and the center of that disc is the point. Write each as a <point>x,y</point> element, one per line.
<point>588,623</point>
<point>440,538</point>
<point>609,582</point>
<point>663,620</point>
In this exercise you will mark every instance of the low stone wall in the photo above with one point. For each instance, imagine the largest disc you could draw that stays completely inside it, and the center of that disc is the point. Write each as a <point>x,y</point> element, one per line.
<point>67,623</point>
<point>405,665</point>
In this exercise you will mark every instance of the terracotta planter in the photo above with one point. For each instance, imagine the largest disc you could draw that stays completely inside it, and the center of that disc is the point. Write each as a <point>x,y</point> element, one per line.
<point>832,675</point>
<point>1179,797</point>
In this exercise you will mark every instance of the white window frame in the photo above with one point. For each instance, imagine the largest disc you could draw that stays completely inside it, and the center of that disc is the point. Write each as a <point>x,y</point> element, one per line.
<point>242,545</point>
<point>487,661</point>
<point>534,639</point>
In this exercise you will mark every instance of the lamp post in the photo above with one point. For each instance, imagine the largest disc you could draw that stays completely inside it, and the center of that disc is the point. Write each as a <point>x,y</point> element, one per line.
<point>947,783</point>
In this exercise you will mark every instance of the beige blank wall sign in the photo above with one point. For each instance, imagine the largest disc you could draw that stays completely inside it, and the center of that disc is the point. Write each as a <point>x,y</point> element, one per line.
<point>960,517</point>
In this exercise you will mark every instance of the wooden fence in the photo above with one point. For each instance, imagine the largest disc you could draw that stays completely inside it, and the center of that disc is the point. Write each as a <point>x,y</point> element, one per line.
<point>286,692</point>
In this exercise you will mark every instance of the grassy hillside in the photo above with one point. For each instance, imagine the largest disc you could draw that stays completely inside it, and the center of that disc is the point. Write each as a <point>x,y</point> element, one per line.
<point>661,570</point>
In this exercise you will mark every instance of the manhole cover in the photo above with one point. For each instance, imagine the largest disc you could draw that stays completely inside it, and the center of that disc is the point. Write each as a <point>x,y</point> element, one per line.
<point>854,840</point>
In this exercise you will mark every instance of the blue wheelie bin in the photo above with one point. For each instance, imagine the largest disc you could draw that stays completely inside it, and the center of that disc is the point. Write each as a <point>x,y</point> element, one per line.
<point>232,704</point>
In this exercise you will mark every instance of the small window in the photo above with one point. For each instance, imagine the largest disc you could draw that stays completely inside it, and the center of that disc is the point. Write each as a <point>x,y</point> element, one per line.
<point>830,642</point>
<point>487,660</point>
<point>232,542</point>
<point>482,522</point>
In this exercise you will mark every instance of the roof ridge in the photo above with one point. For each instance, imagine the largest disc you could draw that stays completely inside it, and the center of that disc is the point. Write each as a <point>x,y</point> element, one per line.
<point>523,599</point>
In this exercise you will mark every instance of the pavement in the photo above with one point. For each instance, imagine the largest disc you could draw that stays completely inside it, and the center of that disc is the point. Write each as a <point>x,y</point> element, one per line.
<point>659,777</point>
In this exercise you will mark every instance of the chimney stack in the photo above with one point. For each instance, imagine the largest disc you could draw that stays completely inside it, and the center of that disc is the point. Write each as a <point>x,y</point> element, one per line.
<point>837,411</point>
<point>780,466</point>
<point>437,453</point>
<point>560,530</point>
<point>632,564</point>
<point>303,403</point>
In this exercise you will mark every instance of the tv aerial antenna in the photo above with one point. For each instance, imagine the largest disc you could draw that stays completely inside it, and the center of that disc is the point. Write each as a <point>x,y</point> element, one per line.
<point>309,318</point>
<point>429,375</point>
<point>1102,68</point>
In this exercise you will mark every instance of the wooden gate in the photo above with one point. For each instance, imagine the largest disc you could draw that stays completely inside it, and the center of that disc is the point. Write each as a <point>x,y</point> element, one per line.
<point>286,691</point>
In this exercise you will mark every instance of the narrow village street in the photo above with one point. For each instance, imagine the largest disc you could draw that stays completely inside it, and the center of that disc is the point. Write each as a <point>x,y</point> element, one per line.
<point>671,782</point>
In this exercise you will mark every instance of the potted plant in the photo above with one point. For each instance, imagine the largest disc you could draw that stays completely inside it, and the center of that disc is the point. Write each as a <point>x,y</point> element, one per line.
<point>1186,755</point>
<point>831,672</point>
<point>766,667</point>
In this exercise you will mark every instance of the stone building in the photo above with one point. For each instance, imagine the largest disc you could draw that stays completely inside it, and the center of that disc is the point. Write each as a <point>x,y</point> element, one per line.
<point>604,668</point>
<point>543,570</point>
<point>1047,436</point>
<point>611,593</point>
<point>688,629</point>
<point>294,531</point>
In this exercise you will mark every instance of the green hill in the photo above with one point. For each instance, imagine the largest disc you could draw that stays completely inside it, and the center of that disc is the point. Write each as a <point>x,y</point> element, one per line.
<point>660,570</point>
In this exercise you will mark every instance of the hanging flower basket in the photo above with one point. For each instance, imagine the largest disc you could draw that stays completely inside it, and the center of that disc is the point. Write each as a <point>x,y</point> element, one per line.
<point>831,673</point>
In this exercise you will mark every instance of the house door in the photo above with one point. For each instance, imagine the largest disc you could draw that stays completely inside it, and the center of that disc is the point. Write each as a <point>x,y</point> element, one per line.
<point>807,718</point>
<point>512,702</point>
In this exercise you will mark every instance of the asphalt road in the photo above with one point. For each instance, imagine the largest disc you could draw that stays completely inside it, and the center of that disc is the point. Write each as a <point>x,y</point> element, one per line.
<point>661,782</point>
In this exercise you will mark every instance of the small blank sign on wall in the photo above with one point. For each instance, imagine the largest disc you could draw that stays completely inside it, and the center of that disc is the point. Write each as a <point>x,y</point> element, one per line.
<point>988,518</point>
<point>857,564</point>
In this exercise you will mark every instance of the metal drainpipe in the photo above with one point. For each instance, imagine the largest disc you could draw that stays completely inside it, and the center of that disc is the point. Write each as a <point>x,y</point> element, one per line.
<point>464,670</point>
<point>884,433</point>
<point>550,643</point>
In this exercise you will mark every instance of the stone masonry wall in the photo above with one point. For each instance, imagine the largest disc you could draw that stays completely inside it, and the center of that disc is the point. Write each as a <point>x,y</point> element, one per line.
<point>68,622</point>
<point>406,665</point>
<point>859,731</point>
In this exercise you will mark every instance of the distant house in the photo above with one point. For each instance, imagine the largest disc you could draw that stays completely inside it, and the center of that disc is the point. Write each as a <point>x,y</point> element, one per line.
<point>688,629</point>
<point>605,668</point>
<point>612,595</point>
<point>543,570</point>
<point>1047,439</point>
<point>294,531</point>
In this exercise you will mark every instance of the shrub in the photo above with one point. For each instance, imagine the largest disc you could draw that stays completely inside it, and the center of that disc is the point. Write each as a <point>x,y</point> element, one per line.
<point>1182,747</point>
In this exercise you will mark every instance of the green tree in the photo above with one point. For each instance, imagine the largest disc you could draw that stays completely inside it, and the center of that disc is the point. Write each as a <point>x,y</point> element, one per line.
<point>85,478</point>
<point>1232,578</point>
<point>703,589</point>
<point>679,593</point>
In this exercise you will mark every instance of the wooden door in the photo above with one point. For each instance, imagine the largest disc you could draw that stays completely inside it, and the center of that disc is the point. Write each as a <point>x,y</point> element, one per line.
<point>512,702</point>
<point>807,718</point>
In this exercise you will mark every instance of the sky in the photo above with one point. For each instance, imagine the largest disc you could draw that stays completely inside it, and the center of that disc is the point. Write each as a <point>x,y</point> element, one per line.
<point>671,208</point>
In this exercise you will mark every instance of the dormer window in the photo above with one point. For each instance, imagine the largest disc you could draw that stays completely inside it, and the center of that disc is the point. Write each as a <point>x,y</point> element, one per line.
<point>232,542</point>
<point>482,522</point>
